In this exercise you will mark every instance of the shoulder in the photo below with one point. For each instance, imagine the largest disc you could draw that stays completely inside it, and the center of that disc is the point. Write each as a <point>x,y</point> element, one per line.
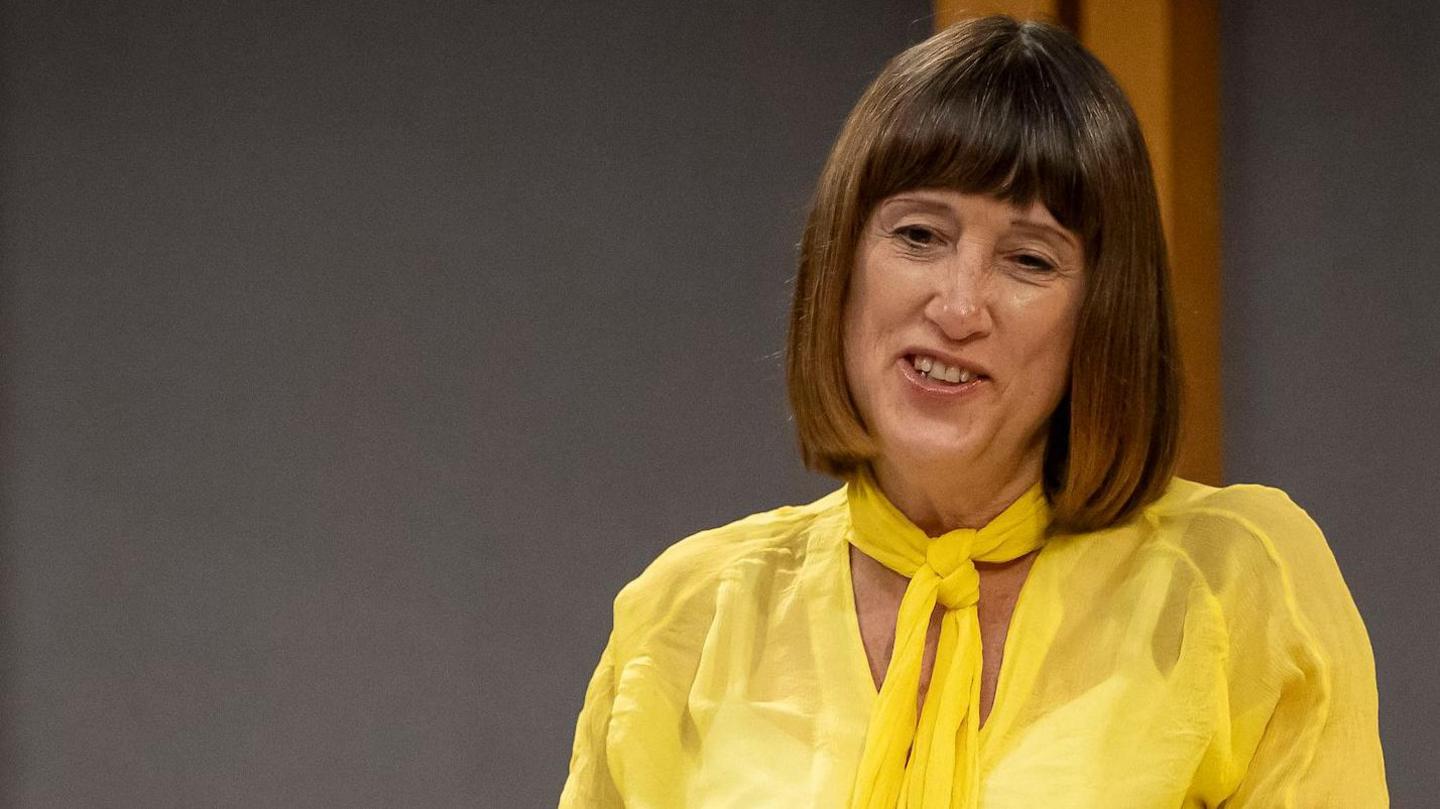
<point>1297,661</point>
<point>1236,524</point>
<point>1239,502</point>
<point>1262,557</point>
<point>1219,559</point>
<point>681,584</point>
<point>1206,534</point>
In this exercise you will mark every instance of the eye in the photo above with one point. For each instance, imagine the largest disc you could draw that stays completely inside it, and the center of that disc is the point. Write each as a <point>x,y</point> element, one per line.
<point>917,236</point>
<point>1035,263</point>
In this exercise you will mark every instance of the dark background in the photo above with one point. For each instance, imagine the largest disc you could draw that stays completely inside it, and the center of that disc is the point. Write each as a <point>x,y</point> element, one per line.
<point>356,353</point>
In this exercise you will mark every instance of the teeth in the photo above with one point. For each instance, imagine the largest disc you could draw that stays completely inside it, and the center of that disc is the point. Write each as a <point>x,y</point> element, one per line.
<point>937,370</point>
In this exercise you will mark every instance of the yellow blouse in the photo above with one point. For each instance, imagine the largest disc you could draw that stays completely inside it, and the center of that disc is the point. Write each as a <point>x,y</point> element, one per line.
<point>1205,653</point>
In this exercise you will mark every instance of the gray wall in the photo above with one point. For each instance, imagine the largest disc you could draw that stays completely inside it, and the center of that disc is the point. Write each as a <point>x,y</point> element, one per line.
<point>1332,283</point>
<point>356,353</point>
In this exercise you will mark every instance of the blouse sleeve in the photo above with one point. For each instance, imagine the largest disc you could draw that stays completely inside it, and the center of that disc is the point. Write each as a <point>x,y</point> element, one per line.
<point>1302,696</point>
<point>589,783</point>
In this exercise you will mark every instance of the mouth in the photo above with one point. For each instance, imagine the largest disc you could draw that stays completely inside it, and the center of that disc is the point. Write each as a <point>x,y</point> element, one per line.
<point>937,371</point>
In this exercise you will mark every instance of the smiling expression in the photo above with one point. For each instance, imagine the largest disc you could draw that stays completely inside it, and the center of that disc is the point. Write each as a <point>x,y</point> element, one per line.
<point>958,326</point>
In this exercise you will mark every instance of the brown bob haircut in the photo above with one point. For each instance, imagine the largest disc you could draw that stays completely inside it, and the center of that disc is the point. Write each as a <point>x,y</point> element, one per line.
<point>1020,111</point>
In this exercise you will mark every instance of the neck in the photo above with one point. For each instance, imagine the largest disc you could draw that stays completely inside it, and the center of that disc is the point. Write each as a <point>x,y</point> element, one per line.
<point>941,500</point>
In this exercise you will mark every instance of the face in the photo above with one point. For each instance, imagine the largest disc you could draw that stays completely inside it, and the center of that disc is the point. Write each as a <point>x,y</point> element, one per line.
<point>958,328</point>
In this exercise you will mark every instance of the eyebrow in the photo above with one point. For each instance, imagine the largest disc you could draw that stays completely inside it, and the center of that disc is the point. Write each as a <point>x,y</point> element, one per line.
<point>1031,224</point>
<point>919,202</point>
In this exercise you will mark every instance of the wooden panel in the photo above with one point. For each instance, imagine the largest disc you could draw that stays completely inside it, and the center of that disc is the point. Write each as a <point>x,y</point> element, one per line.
<point>1194,194</point>
<point>1165,54</point>
<point>1133,43</point>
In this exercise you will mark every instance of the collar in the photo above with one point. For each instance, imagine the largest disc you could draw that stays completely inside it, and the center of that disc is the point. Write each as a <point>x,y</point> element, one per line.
<point>887,535</point>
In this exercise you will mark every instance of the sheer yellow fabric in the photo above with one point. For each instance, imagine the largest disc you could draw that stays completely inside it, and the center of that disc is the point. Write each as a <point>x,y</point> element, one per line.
<point>1205,653</point>
<point>934,764</point>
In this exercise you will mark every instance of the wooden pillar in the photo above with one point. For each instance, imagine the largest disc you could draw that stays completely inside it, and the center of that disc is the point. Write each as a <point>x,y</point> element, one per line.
<point>1165,54</point>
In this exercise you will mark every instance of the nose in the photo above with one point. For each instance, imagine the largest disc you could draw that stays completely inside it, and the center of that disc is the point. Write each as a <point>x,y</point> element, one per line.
<point>960,303</point>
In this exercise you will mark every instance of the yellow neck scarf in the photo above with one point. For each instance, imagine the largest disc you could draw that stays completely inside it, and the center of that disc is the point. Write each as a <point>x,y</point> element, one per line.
<point>942,765</point>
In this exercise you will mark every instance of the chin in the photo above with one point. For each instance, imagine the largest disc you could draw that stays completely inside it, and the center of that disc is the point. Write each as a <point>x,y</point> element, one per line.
<point>926,449</point>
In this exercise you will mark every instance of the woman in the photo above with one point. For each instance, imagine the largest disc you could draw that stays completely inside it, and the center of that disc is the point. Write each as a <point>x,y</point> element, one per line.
<point>1011,602</point>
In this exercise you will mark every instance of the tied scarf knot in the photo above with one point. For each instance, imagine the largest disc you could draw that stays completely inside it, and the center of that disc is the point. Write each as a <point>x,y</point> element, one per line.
<point>949,559</point>
<point>931,761</point>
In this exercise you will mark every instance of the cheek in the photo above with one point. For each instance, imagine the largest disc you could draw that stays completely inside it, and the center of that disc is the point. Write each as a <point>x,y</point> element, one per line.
<point>852,332</point>
<point>853,339</point>
<point>1062,346</point>
<point>861,321</point>
<point>883,300</point>
<point>869,319</point>
<point>1047,322</point>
